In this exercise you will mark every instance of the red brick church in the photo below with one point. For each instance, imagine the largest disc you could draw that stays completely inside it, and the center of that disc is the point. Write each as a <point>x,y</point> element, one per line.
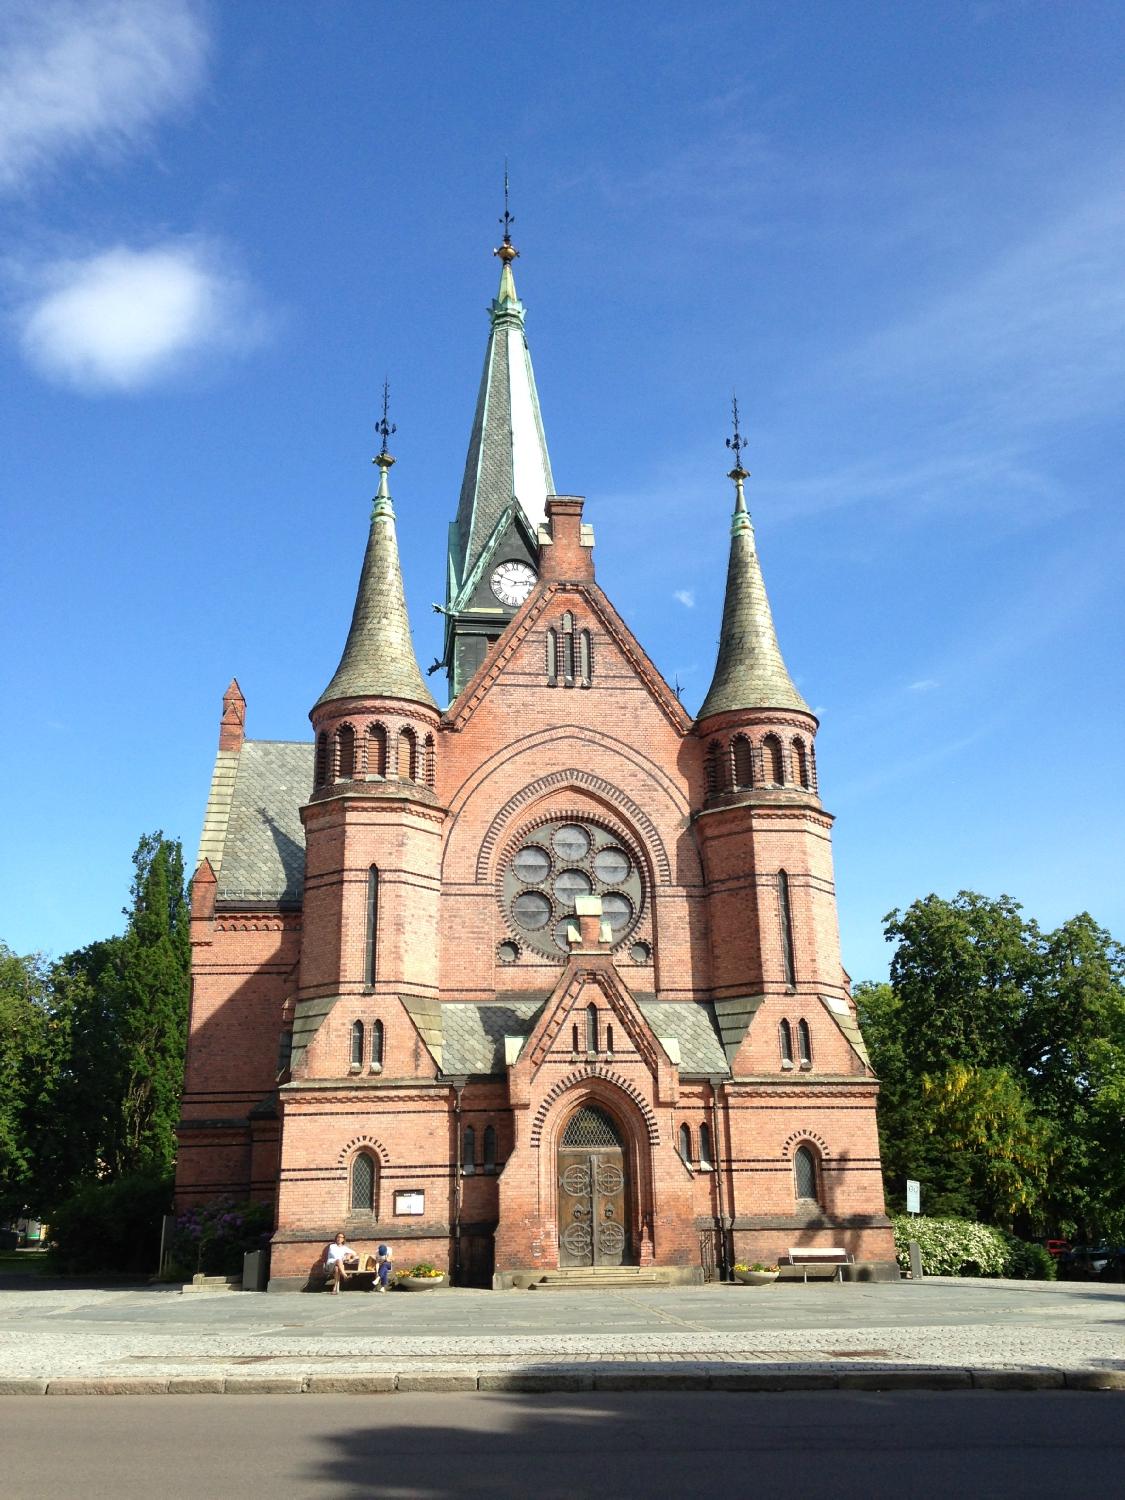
<point>545,982</point>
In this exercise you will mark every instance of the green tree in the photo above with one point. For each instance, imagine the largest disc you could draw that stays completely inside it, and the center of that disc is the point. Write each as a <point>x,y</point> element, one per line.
<point>1001,1055</point>
<point>148,989</point>
<point>24,1046</point>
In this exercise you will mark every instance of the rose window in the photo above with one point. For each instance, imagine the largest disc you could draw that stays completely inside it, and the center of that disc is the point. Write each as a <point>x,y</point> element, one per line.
<point>559,862</point>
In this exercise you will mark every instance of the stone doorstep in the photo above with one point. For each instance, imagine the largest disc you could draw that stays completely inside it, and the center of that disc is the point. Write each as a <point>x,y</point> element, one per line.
<point>696,1376</point>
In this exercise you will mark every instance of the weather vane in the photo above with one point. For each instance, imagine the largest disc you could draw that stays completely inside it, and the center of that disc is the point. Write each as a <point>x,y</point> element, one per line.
<point>737,442</point>
<point>385,428</point>
<point>507,251</point>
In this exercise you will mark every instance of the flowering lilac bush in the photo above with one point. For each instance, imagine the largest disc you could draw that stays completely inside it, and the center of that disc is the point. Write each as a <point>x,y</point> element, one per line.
<point>960,1247</point>
<point>213,1237</point>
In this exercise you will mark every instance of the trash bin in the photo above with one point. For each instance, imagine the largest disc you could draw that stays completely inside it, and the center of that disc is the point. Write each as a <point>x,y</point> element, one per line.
<point>255,1270</point>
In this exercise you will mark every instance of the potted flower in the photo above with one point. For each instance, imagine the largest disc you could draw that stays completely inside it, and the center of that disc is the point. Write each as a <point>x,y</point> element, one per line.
<point>420,1278</point>
<point>757,1274</point>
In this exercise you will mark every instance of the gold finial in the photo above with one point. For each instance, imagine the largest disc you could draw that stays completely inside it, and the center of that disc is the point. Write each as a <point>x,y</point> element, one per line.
<point>506,251</point>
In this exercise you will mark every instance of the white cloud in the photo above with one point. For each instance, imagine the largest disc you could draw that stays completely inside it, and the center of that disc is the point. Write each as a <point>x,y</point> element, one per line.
<point>124,318</point>
<point>923,685</point>
<point>78,75</point>
<point>686,597</point>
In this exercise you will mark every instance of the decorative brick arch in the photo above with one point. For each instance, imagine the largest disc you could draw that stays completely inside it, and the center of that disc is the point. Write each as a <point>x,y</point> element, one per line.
<point>581,781</point>
<point>595,1072</point>
<point>363,1143</point>
<point>804,1138</point>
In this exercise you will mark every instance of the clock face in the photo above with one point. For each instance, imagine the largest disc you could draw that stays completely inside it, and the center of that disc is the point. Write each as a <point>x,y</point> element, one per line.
<point>511,582</point>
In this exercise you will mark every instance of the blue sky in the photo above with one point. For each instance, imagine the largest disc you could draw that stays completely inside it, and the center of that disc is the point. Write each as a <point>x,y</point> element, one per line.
<point>898,229</point>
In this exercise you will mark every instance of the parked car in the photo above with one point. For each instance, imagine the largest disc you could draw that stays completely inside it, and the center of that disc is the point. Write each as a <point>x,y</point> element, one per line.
<point>1094,1262</point>
<point>1056,1248</point>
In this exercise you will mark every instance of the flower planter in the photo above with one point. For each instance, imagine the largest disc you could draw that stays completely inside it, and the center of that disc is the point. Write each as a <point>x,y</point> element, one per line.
<point>419,1283</point>
<point>757,1278</point>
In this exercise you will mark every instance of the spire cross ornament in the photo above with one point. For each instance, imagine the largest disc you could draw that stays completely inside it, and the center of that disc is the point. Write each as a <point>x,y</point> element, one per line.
<point>507,251</point>
<point>736,443</point>
<point>384,429</point>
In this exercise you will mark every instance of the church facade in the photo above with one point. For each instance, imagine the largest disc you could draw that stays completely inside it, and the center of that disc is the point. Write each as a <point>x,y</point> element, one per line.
<point>546,982</point>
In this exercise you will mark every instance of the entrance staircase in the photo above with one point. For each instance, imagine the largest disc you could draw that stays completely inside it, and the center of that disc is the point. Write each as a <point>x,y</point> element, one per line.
<point>600,1279</point>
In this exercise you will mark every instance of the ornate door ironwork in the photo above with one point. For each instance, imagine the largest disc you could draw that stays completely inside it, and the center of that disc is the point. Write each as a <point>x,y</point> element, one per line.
<point>593,1203</point>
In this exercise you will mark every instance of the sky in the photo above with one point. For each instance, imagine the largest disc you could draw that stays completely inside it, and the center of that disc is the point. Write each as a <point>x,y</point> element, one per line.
<point>898,230</point>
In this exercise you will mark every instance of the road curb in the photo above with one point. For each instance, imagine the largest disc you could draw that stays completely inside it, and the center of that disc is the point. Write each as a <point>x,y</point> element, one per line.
<point>718,1378</point>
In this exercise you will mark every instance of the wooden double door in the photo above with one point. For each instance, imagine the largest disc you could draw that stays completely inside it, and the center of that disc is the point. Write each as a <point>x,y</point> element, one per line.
<point>593,1193</point>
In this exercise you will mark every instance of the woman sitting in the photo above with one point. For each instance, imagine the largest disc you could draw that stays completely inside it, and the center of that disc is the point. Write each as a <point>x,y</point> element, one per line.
<point>340,1260</point>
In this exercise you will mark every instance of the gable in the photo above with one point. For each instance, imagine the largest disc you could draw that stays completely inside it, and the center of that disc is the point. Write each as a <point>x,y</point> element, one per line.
<point>520,658</point>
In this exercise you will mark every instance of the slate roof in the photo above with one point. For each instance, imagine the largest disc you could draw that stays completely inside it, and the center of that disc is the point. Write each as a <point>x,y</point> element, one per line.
<point>750,671</point>
<point>263,850</point>
<point>692,1024</point>
<point>507,418</point>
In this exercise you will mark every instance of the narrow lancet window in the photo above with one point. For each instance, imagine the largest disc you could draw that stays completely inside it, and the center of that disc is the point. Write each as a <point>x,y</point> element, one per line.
<point>363,1184</point>
<point>377,1046</point>
<point>357,1044</point>
<point>705,1146</point>
<point>469,1151</point>
<point>591,1028</point>
<point>371,947</point>
<point>407,756</point>
<point>804,1174</point>
<point>345,753</point>
<point>801,764</point>
<point>552,657</point>
<point>804,1044</point>
<point>786,915</point>
<point>376,750</point>
<point>785,1041</point>
<point>585,657</point>
<point>743,763</point>
<point>685,1143</point>
<point>774,759</point>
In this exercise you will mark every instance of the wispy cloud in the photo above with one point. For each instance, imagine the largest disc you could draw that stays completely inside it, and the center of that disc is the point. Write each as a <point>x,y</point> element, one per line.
<point>123,319</point>
<point>686,597</point>
<point>923,685</point>
<point>81,75</point>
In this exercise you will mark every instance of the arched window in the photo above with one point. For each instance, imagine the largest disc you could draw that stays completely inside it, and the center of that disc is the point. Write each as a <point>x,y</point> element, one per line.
<point>429,766</point>
<point>705,1146</point>
<point>812,768</point>
<point>785,913</point>
<point>685,1143</point>
<point>371,948</point>
<point>774,759</point>
<point>376,750</point>
<point>743,763</point>
<point>567,665</point>
<point>321,759</point>
<point>785,1040</point>
<point>804,1043</point>
<point>552,657</point>
<point>804,1174</point>
<point>357,1044</point>
<point>345,753</point>
<point>363,1183</point>
<point>377,1045</point>
<point>407,767</point>
<point>489,1148</point>
<point>591,1028</point>
<point>609,1040</point>
<point>585,657</point>
<point>711,768</point>
<point>801,764</point>
<point>469,1151</point>
<point>574,1037</point>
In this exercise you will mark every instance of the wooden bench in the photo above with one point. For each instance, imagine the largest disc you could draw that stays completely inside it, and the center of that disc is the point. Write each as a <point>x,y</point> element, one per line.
<point>821,1263</point>
<point>365,1279</point>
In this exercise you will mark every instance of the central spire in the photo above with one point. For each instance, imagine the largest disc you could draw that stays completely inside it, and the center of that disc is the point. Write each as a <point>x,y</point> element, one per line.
<point>750,671</point>
<point>507,458</point>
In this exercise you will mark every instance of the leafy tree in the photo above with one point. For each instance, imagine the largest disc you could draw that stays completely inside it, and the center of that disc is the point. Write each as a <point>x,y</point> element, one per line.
<point>23,1048</point>
<point>1001,1053</point>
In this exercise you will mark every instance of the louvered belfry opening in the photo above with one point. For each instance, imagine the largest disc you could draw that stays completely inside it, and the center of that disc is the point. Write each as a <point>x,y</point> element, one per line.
<point>591,1128</point>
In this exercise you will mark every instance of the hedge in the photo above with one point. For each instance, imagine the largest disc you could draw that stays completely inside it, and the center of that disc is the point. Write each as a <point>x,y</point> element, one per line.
<point>112,1226</point>
<point>960,1247</point>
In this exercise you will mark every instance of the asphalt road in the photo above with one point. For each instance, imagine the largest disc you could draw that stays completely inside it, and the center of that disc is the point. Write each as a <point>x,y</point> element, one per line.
<point>850,1446</point>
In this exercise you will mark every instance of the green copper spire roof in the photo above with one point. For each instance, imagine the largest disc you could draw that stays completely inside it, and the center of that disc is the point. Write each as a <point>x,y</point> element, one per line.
<point>750,671</point>
<point>507,455</point>
<point>379,660</point>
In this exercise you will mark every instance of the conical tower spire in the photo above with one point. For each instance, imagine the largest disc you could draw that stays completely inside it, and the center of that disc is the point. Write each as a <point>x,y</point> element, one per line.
<point>750,671</point>
<point>378,659</point>
<point>507,457</point>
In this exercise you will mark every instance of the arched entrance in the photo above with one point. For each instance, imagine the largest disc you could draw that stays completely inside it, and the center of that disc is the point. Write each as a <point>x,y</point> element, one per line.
<point>593,1192</point>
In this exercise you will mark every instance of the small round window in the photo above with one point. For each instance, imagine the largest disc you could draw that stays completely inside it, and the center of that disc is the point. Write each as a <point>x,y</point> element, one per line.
<point>555,865</point>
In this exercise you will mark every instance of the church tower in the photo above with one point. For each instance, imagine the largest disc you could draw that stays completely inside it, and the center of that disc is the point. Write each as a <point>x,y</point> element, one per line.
<point>493,543</point>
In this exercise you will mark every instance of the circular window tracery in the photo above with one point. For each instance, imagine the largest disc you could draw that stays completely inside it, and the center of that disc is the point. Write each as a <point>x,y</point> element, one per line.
<point>556,863</point>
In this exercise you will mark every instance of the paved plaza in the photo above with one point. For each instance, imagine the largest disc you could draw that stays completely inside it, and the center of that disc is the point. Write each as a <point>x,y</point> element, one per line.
<point>959,1332</point>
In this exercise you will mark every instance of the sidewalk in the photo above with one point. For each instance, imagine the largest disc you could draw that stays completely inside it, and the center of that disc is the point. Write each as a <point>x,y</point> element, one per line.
<point>937,1335</point>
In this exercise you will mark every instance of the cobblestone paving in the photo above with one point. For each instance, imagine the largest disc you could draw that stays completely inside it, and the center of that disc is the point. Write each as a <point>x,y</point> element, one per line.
<point>158,1333</point>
